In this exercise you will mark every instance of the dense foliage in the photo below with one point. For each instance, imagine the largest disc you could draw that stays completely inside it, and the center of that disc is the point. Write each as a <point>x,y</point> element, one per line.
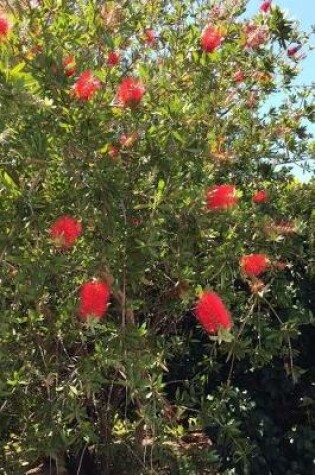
<point>156,262</point>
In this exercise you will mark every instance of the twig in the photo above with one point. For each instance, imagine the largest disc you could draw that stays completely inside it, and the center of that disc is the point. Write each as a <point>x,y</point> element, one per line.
<point>81,459</point>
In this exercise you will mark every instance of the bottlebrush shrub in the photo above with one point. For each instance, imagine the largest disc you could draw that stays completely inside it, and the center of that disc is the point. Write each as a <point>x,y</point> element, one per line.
<point>132,152</point>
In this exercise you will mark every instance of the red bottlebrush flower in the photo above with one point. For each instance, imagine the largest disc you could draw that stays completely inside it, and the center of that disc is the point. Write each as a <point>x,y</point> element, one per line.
<point>130,92</point>
<point>260,196</point>
<point>254,265</point>
<point>239,76</point>
<point>94,297</point>
<point>113,151</point>
<point>5,28</point>
<point>211,39</point>
<point>212,313</point>
<point>150,37</point>
<point>221,197</point>
<point>113,58</point>
<point>256,35</point>
<point>293,50</point>
<point>69,65</point>
<point>265,7</point>
<point>65,231</point>
<point>86,86</point>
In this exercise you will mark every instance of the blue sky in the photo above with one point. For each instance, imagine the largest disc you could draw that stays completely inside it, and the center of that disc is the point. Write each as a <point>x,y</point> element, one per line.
<point>304,12</point>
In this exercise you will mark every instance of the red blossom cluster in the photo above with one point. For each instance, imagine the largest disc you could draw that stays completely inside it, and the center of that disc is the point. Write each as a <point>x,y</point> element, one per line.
<point>212,313</point>
<point>86,86</point>
<point>94,297</point>
<point>69,65</point>
<point>256,35</point>
<point>260,196</point>
<point>239,76</point>
<point>130,92</point>
<point>211,39</point>
<point>253,265</point>
<point>113,58</point>
<point>293,50</point>
<point>125,141</point>
<point>5,27</point>
<point>221,197</point>
<point>113,151</point>
<point>150,37</point>
<point>265,7</point>
<point>65,231</point>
